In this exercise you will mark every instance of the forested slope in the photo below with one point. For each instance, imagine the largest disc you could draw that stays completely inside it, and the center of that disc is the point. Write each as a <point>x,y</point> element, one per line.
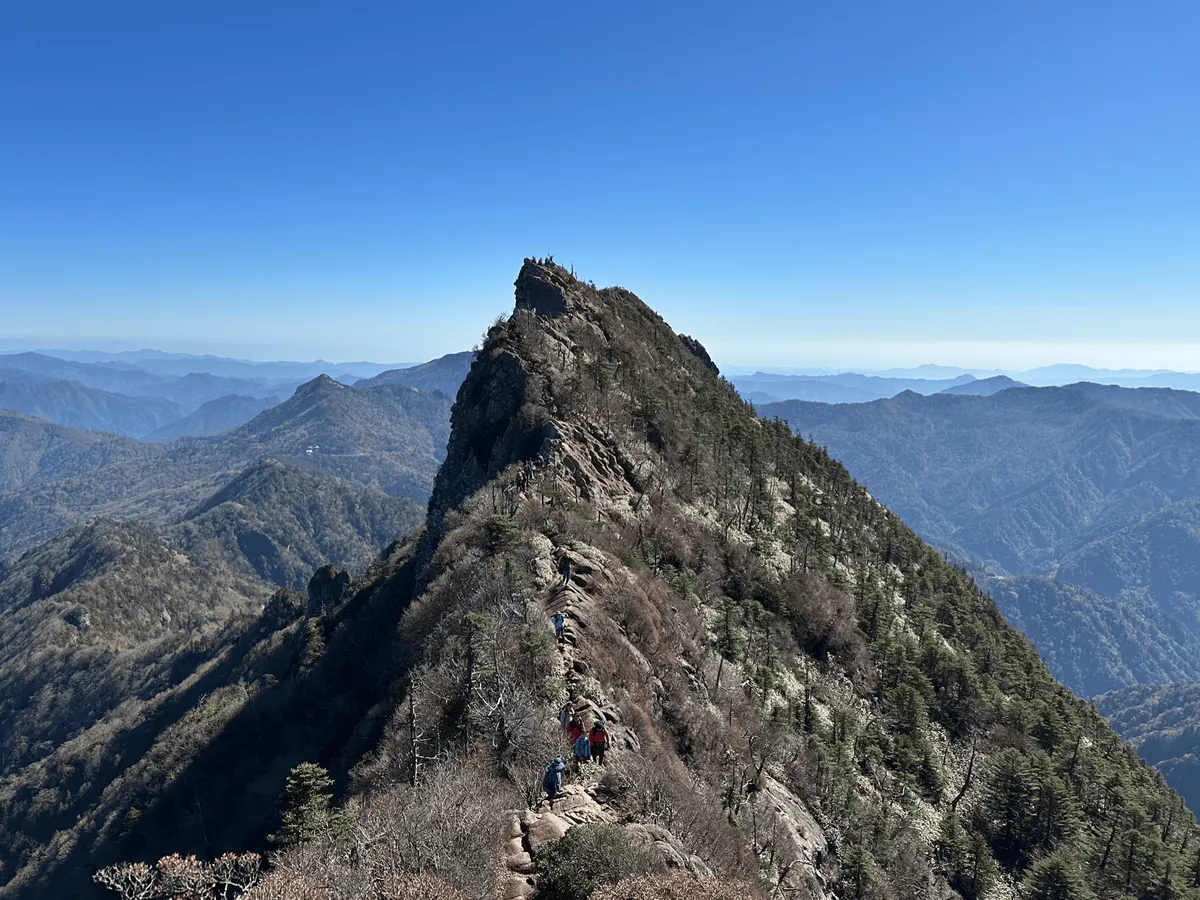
<point>1084,496</point>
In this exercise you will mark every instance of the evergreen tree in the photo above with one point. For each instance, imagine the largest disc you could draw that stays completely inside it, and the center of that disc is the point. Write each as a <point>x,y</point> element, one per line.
<point>966,859</point>
<point>1056,877</point>
<point>306,808</point>
<point>1007,807</point>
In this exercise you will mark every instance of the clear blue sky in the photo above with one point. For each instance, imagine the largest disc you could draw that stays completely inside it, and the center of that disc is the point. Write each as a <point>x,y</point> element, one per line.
<point>795,183</point>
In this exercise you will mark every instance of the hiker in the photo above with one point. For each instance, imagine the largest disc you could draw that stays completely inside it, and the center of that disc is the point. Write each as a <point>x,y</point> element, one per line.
<point>564,716</point>
<point>599,740</point>
<point>583,747</point>
<point>560,623</point>
<point>564,569</point>
<point>574,730</point>
<point>552,780</point>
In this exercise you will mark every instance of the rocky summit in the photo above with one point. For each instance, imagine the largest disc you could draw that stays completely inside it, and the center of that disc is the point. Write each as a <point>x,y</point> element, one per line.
<point>799,697</point>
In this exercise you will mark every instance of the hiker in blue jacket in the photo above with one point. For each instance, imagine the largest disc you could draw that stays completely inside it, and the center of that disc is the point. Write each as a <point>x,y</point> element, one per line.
<point>583,748</point>
<point>552,780</point>
<point>560,622</point>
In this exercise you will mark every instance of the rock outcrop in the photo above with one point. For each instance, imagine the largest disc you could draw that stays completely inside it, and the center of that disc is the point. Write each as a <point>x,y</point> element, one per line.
<point>545,289</point>
<point>326,589</point>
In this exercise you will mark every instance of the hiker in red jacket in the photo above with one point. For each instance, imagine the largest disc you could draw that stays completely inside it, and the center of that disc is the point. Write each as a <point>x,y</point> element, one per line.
<point>600,741</point>
<point>574,730</point>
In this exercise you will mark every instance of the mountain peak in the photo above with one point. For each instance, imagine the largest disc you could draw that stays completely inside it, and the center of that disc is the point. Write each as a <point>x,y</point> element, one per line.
<point>546,288</point>
<point>322,383</point>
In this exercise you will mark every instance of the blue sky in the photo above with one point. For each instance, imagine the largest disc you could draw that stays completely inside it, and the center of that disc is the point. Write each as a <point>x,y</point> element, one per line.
<point>852,183</point>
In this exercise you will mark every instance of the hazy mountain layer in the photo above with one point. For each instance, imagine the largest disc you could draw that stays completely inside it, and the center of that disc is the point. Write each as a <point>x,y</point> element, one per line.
<point>443,374</point>
<point>70,403</point>
<point>116,379</point>
<point>1094,485</point>
<point>984,387</point>
<point>848,387</point>
<point>215,417</point>
<point>387,438</point>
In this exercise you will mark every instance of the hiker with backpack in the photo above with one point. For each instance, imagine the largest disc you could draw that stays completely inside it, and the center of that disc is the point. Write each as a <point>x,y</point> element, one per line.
<point>565,715</point>
<point>552,780</point>
<point>600,741</point>
<point>560,623</point>
<point>574,730</point>
<point>583,747</point>
<point>564,569</point>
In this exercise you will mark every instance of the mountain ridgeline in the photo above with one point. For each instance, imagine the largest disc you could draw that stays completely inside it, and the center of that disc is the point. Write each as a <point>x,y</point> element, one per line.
<point>1079,505</point>
<point>384,440</point>
<point>801,694</point>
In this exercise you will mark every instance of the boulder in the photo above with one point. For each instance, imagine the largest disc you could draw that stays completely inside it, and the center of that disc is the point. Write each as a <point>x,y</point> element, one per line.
<point>548,827</point>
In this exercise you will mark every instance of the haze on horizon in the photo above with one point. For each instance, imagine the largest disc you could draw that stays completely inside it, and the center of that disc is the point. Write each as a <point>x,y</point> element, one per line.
<point>872,186</point>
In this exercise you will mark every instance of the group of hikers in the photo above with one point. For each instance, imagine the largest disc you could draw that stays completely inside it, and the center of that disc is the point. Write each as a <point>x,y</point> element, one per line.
<point>560,618</point>
<point>586,744</point>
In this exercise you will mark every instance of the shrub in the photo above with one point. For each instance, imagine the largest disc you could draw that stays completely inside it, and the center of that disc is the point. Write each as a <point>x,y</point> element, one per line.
<point>588,857</point>
<point>677,886</point>
<point>419,887</point>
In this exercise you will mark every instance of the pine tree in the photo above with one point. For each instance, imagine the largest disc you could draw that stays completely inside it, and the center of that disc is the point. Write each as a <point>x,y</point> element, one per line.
<point>1007,806</point>
<point>966,858</point>
<point>306,808</point>
<point>1056,877</point>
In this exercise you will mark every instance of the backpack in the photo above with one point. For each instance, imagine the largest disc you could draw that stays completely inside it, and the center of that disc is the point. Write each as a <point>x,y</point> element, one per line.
<point>583,747</point>
<point>600,738</point>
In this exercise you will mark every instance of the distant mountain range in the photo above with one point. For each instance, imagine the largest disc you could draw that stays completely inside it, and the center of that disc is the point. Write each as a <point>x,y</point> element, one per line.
<point>444,374</point>
<point>847,387</point>
<point>389,439</point>
<point>1091,489</point>
<point>984,387</point>
<point>162,363</point>
<point>162,397</point>
<point>762,387</point>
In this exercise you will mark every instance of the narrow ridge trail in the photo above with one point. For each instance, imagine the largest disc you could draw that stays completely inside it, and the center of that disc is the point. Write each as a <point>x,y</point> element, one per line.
<point>583,800</point>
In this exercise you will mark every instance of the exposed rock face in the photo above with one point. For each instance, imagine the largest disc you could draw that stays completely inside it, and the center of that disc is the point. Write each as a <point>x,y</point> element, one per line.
<point>543,289</point>
<point>496,422</point>
<point>698,348</point>
<point>326,589</point>
<point>800,840</point>
<point>488,434</point>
